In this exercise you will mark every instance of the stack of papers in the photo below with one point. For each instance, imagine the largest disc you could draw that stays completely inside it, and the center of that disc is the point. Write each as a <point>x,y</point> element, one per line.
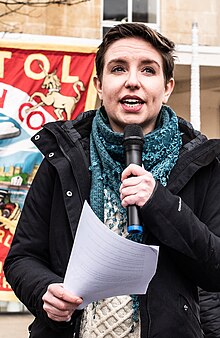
<point>103,264</point>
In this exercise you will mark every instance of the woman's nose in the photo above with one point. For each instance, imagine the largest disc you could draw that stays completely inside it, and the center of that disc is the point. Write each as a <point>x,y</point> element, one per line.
<point>132,80</point>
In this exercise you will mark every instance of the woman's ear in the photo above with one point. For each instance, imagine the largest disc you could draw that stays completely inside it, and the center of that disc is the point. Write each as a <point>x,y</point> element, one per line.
<point>98,86</point>
<point>168,90</point>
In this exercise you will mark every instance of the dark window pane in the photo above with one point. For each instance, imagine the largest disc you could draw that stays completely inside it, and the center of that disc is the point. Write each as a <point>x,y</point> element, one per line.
<point>105,30</point>
<point>144,11</point>
<point>115,10</point>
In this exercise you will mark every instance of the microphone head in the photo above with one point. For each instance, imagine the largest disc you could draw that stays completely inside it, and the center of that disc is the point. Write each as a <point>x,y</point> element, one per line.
<point>133,133</point>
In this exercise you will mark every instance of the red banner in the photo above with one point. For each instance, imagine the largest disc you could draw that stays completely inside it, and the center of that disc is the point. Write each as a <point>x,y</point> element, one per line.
<point>38,84</point>
<point>5,242</point>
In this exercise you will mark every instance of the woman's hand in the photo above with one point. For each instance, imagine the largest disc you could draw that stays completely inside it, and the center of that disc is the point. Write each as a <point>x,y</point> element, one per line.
<point>59,303</point>
<point>137,186</point>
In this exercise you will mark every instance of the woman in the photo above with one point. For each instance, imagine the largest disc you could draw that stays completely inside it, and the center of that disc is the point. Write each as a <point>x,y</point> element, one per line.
<point>176,191</point>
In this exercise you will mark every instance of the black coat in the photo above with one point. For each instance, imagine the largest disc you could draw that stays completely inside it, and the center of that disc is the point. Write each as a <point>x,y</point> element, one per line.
<point>183,218</point>
<point>210,313</point>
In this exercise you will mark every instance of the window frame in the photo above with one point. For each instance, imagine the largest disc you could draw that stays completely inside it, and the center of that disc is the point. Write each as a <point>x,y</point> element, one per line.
<point>109,23</point>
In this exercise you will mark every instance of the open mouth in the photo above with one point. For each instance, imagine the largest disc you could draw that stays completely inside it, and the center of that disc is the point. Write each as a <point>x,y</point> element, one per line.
<point>131,103</point>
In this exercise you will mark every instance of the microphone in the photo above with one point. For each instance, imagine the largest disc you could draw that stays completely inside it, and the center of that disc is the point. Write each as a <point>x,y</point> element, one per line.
<point>133,141</point>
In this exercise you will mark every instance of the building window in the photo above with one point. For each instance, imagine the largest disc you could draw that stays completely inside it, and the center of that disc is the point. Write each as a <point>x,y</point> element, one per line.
<point>119,11</point>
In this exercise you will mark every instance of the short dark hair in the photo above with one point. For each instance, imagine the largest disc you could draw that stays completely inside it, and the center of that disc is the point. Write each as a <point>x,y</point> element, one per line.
<point>163,45</point>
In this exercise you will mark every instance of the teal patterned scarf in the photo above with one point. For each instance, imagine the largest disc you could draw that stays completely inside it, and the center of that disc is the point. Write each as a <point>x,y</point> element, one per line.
<point>160,153</point>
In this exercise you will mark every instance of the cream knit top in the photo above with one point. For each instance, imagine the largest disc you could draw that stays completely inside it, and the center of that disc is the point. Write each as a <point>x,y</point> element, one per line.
<point>111,317</point>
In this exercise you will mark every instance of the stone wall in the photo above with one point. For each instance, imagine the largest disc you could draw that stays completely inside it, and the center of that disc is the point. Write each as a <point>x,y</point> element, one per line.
<point>81,20</point>
<point>177,17</point>
<point>84,19</point>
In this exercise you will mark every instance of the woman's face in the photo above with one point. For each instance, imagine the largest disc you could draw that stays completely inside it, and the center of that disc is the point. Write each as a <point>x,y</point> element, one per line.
<point>133,87</point>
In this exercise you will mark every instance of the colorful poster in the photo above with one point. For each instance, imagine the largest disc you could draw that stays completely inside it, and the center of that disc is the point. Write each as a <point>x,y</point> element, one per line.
<point>37,85</point>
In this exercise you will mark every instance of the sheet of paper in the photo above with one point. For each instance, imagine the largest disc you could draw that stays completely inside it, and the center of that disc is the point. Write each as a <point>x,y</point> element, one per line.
<point>103,264</point>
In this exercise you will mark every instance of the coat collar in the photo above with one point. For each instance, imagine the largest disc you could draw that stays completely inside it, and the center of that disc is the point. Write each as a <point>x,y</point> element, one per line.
<point>197,151</point>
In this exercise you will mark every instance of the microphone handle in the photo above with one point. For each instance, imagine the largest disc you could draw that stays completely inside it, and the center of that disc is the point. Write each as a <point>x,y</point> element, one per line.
<point>134,223</point>
<point>134,155</point>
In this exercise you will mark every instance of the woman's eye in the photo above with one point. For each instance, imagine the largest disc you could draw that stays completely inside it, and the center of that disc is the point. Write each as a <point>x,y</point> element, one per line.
<point>117,69</point>
<point>149,70</point>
